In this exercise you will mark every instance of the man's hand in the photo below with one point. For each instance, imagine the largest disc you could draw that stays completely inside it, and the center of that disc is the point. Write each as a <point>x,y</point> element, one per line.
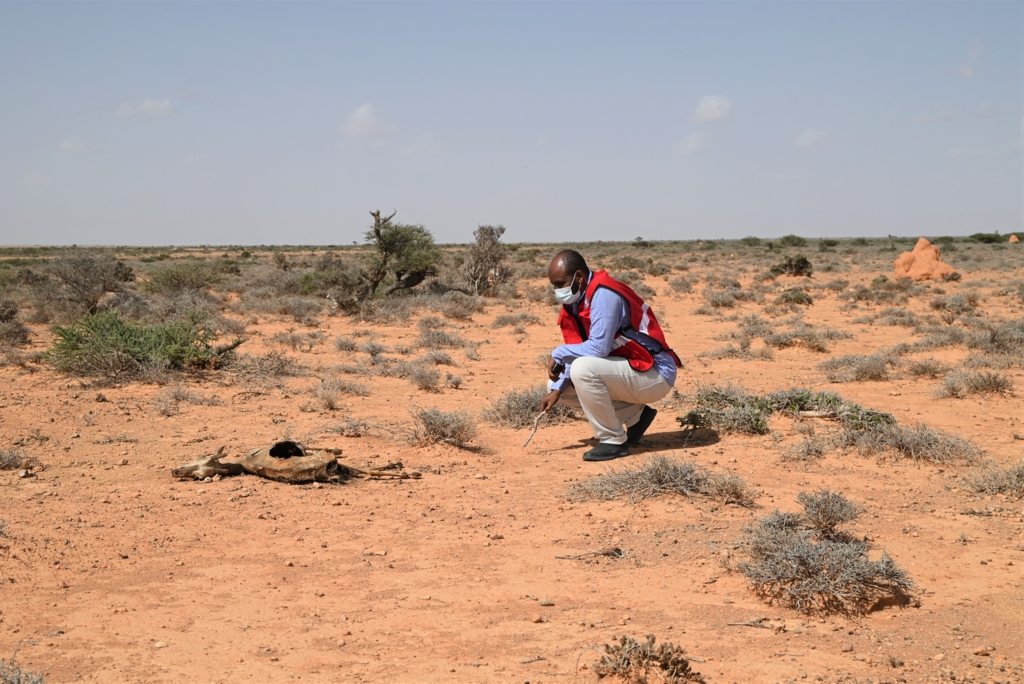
<point>555,369</point>
<point>549,400</point>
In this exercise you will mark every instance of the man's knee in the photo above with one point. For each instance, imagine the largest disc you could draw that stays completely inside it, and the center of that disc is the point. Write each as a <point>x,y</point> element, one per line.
<point>583,369</point>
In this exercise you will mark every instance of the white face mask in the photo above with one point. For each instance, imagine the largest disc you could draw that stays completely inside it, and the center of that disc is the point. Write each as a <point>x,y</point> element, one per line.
<point>566,296</point>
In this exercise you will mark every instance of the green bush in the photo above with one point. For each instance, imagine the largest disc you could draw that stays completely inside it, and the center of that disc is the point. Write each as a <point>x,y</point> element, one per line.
<point>798,265</point>
<point>182,277</point>
<point>750,241</point>
<point>104,344</point>
<point>792,241</point>
<point>987,238</point>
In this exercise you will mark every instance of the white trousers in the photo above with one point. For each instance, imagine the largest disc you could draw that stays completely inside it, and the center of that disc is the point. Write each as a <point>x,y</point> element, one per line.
<point>612,394</point>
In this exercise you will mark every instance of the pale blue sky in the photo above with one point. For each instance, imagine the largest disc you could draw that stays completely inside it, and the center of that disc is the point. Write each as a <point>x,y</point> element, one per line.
<point>286,122</point>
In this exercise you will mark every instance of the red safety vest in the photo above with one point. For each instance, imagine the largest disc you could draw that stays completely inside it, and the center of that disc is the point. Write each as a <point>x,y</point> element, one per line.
<point>637,348</point>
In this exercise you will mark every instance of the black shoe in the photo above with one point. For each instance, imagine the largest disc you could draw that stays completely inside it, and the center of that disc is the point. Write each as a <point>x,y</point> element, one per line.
<point>606,452</point>
<point>636,433</point>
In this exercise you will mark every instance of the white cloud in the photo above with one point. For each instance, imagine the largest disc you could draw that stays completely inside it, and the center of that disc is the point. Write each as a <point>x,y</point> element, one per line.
<point>37,178</point>
<point>149,109</point>
<point>712,108</point>
<point>964,72</point>
<point>940,113</point>
<point>426,144</point>
<point>986,110</point>
<point>810,138</point>
<point>365,124</point>
<point>73,145</point>
<point>694,143</point>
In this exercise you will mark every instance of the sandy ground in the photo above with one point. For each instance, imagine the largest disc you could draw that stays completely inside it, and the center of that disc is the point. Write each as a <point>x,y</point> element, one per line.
<point>115,572</point>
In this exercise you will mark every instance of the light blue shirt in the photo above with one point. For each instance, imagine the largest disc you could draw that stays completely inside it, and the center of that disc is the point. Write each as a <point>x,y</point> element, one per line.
<point>608,314</point>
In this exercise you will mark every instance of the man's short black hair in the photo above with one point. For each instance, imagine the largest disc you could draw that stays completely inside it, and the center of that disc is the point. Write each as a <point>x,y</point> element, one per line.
<point>572,260</point>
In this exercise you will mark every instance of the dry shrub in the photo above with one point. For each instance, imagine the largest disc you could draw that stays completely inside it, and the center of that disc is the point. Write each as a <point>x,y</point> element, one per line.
<point>373,348</point>
<point>457,428</point>
<point>809,448</point>
<point>825,510</point>
<point>661,475</point>
<point>856,368</point>
<point>13,334</point>
<point>918,443</point>
<point>439,339</point>
<point>633,661</point>
<point>344,344</point>
<point>730,408</point>
<point>329,391</point>
<point>927,367</point>
<point>516,319</point>
<point>804,562</point>
<point>265,366</point>
<point>11,673</point>
<point>424,378</point>
<point>517,408</point>
<point>681,285</point>
<point>74,283</point>
<point>166,401</point>
<point>12,459</point>
<point>460,307</point>
<point>798,265</point>
<point>961,383</point>
<point>994,480</point>
<point>304,342</point>
<point>794,296</point>
<point>438,358</point>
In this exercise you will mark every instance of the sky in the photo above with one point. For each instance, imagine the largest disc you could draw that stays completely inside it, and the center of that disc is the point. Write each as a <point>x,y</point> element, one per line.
<point>247,123</point>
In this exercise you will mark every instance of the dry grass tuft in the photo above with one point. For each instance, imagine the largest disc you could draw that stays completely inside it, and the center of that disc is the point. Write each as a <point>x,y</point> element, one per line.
<point>633,661</point>
<point>661,475</point>
<point>856,368</point>
<point>927,367</point>
<point>457,428</point>
<point>804,562</point>
<point>517,408</point>
<point>995,480</point>
<point>11,673</point>
<point>961,383</point>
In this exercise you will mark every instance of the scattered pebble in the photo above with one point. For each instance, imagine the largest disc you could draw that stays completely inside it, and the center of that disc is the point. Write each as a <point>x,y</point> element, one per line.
<point>938,657</point>
<point>847,648</point>
<point>289,564</point>
<point>160,644</point>
<point>536,617</point>
<point>547,602</point>
<point>479,476</point>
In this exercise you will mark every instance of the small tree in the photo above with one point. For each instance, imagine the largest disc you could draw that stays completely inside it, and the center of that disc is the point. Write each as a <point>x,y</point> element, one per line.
<point>485,264</point>
<point>74,283</point>
<point>407,253</point>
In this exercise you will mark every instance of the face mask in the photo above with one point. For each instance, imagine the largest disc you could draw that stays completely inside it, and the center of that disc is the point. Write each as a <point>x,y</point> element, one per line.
<point>566,296</point>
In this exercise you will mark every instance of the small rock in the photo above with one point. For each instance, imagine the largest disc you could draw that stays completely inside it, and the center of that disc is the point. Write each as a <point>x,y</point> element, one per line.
<point>319,593</point>
<point>938,657</point>
<point>536,617</point>
<point>374,552</point>
<point>547,602</point>
<point>341,643</point>
<point>496,535</point>
<point>124,461</point>
<point>981,652</point>
<point>847,648</point>
<point>479,476</point>
<point>289,564</point>
<point>160,644</point>
<point>28,473</point>
<point>990,648</point>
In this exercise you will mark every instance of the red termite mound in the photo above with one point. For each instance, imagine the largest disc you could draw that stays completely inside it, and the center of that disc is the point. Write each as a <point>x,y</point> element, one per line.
<point>923,263</point>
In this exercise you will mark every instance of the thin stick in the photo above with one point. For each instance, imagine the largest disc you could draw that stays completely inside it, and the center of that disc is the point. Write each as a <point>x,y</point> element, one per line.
<point>533,660</point>
<point>536,423</point>
<point>747,624</point>
<point>613,552</point>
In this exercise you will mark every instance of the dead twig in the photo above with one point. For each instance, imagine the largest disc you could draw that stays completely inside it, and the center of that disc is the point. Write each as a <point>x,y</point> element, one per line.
<point>747,624</point>
<point>611,552</point>
<point>536,424</point>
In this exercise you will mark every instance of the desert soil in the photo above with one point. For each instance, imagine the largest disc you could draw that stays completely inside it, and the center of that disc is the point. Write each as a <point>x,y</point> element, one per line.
<point>112,571</point>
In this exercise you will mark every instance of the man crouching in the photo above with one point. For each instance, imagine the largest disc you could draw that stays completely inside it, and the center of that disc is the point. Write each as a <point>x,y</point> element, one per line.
<point>615,359</point>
